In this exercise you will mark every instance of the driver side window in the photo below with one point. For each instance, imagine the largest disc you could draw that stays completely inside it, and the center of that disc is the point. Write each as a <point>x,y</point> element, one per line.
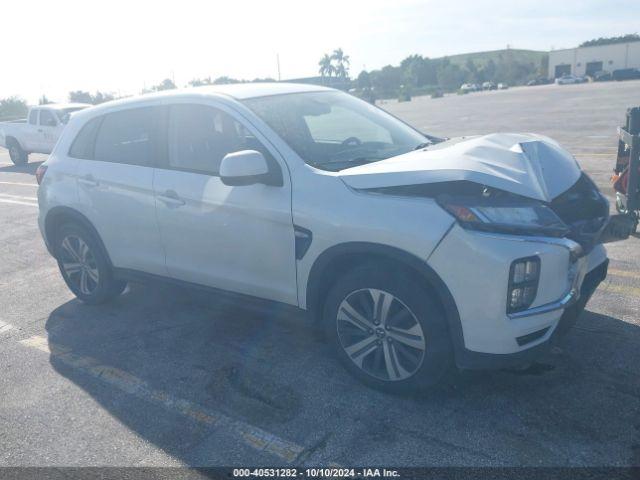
<point>47,118</point>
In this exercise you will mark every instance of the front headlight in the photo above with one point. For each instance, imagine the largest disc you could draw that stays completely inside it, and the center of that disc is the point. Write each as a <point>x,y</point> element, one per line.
<point>506,214</point>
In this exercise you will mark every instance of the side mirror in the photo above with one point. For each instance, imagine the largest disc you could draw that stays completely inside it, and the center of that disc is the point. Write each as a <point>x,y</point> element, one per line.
<point>248,167</point>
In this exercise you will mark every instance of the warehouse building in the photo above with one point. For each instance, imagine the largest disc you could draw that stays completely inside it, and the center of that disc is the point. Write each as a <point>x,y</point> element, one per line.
<point>588,60</point>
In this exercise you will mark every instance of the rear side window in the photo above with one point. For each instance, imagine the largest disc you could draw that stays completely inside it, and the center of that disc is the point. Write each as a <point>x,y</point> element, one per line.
<point>84,142</point>
<point>33,117</point>
<point>129,136</point>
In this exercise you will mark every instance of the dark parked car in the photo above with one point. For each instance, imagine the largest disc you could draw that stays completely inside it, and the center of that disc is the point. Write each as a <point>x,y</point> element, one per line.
<point>538,81</point>
<point>626,74</point>
<point>601,76</point>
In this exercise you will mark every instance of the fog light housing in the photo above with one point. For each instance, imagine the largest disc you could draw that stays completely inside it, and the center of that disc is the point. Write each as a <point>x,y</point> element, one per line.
<point>524,276</point>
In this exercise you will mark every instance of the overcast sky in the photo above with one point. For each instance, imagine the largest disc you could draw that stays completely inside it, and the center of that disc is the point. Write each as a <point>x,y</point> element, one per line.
<point>52,47</point>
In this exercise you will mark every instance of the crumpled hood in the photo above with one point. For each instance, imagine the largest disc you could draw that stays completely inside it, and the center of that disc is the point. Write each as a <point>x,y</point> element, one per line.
<point>530,165</point>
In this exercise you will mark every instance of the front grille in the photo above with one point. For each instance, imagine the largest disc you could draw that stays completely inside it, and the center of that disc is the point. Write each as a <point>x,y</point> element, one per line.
<point>584,210</point>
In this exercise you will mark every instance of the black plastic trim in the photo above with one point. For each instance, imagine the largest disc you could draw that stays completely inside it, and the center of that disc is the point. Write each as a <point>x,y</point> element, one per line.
<point>137,276</point>
<point>531,337</point>
<point>303,239</point>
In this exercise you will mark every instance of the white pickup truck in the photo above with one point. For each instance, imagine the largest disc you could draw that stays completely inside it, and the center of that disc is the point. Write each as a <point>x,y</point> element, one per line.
<point>38,133</point>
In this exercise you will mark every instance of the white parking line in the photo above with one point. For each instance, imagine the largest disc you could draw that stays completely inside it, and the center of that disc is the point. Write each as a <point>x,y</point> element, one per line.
<point>21,184</point>
<point>18,202</point>
<point>18,197</point>
<point>252,436</point>
<point>5,327</point>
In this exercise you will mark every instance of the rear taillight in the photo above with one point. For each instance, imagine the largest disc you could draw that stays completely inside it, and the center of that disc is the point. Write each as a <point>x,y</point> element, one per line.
<point>42,169</point>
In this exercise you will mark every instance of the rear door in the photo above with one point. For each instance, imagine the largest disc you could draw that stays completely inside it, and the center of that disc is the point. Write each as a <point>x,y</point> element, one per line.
<point>237,238</point>
<point>115,185</point>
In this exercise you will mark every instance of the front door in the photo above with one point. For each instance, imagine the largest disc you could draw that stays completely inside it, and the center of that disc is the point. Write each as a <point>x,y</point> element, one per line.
<point>237,238</point>
<point>50,128</point>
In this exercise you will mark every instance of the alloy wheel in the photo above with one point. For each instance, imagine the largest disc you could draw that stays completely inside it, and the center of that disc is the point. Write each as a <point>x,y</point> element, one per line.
<point>79,264</point>
<point>380,334</point>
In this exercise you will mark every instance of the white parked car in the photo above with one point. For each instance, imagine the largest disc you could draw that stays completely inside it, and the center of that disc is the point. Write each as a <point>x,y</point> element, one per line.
<point>469,87</point>
<point>414,253</point>
<point>570,79</point>
<point>37,133</point>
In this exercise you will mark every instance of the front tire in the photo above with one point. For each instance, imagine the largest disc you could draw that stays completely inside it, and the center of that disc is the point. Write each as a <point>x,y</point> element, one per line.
<point>84,265</point>
<point>17,154</point>
<point>388,330</point>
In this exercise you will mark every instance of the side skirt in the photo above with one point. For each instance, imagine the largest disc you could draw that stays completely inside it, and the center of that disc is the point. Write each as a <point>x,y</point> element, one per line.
<point>245,301</point>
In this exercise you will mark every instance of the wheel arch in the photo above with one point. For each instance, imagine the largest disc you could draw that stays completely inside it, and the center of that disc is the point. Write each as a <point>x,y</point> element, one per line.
<point>338,259</point>
<point>58,216</point>
<point>9,139</point>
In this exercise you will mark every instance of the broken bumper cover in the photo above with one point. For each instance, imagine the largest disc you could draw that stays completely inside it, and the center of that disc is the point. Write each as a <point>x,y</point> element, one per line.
<point>486,335</point>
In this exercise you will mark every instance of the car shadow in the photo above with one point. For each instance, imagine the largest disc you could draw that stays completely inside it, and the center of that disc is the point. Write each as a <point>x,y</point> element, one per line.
<point>158,348</point>
<point>29,168</point>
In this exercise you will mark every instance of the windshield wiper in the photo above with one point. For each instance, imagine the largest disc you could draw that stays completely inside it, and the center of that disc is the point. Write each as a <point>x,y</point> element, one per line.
<point>352,160</point>
<point>423,145</point>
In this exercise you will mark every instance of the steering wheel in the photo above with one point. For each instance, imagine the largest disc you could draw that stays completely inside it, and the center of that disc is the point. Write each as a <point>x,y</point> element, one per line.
<point>351,142</point>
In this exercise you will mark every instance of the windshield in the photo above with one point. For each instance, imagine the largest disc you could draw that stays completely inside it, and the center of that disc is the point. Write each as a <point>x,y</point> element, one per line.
<point>333,131</point>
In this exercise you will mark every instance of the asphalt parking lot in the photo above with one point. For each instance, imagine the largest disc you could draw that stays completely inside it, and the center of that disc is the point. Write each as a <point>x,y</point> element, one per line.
<point>170,377</point>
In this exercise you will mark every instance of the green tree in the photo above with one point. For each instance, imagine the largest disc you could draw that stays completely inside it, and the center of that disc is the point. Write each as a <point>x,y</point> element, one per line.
<point>80,96</point>
<point>364,80</point>
<point>13,108</point>
<point>419,71</point>
<point>224,80</point>
<point>199,82</point>
<point>630,37</point>
<point>387,80</point>
<point>326,66</point>
<point>450,75</point>
<point>166,84</point>
<point>342,63</point>
<point>101,97</point>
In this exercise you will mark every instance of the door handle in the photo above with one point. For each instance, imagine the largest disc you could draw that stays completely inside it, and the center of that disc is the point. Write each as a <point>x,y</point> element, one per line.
<point>88,181</point>
<point>170,197</point>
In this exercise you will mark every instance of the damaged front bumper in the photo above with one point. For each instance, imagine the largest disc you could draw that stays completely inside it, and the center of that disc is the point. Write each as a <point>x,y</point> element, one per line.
<point>475,267</point>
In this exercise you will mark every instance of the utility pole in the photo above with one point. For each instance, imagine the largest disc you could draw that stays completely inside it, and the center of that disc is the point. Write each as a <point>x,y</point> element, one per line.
<point>278,62</point>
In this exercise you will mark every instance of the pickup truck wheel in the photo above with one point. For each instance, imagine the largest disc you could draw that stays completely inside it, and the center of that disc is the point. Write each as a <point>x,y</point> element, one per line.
<point>388,330</point>
<point>17,154</point>
<point>84,265</point>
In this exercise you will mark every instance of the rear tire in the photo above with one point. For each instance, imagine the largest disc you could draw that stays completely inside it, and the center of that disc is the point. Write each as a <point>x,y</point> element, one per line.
<point>17,154</point>
<point>387,329</point>
<point>84,265</point>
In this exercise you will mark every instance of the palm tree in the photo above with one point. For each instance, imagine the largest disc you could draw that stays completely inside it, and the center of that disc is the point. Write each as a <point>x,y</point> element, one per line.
<point>342,63</point>
<point>326,67</point>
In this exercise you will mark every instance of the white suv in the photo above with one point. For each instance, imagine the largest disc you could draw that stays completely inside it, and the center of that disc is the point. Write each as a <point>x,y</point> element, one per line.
<point>414,253</point>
